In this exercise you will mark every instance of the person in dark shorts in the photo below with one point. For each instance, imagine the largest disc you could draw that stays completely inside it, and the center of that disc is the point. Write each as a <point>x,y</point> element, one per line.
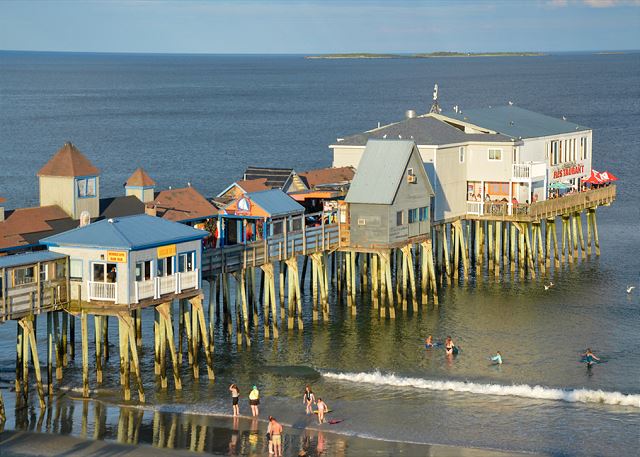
<point>235,397</point>
<point>254,401</point>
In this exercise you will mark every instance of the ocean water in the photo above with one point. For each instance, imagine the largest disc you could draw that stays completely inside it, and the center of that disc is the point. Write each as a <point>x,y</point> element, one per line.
<point>203,119</point>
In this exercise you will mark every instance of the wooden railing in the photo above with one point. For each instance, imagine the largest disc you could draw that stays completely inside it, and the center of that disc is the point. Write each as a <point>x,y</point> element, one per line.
<point>545,209</point>
<point>228,259</point>
<point>33,298</point>
<point>573,202</point>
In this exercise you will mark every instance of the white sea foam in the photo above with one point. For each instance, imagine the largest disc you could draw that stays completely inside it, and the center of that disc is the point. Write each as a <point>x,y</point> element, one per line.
<point>515,390</point>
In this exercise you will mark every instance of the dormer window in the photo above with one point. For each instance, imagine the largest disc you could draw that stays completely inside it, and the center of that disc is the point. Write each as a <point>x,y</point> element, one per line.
<point>86,187</point>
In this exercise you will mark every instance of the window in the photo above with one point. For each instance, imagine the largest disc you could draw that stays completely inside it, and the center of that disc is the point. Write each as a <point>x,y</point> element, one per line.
<point>86,187</point>
<point>186,262</point>
<point>400,218</point>
<point>554,153</point>
<point>44,272</point>
<point>583,148</point>
<point>276,227</point>
<point>165,266</point>
<point>461,154</point>
<point>424,214</point>
<point>410,172</point>
<point>413,215</point>
<point>24,275</point>
<point>495,154</point>
<point>104,272</point>
<point>143,270</point>
<point>75,265</point>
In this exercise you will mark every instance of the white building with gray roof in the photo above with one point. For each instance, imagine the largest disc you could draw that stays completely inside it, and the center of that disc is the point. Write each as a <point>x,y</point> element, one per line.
<point>504,154</point>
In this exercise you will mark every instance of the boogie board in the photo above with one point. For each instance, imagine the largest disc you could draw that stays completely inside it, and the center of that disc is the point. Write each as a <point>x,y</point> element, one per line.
<point>334,421</point>
<point>434,345</point>
<point>455,350</point>
<point>315,411</point>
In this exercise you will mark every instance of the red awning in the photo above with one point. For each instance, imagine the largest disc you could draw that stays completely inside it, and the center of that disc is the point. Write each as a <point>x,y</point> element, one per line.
<point>608,177</point>
<point>594,178</point>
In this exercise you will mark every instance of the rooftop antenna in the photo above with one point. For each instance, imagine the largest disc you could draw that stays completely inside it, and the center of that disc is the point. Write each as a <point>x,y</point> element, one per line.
<point>435,107</point>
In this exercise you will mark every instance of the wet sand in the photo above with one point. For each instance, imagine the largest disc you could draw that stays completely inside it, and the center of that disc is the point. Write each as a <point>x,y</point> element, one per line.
<point>245,440</point>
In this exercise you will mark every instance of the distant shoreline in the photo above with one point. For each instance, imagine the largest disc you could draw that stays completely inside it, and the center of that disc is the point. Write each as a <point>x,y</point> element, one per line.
<point>428,55</point>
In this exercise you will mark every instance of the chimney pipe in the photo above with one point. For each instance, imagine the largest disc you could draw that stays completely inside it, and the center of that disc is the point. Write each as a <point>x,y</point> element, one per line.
<point>150,210</point>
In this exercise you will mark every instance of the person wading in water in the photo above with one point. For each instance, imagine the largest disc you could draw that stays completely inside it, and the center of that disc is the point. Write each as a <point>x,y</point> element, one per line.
<point>309,399</point>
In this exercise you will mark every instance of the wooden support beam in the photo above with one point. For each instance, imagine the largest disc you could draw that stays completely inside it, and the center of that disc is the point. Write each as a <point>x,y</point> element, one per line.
<point>554,233</point>
<point>128,328</point>
<point>581,235</point>
<point>527,231</point>
<point>19,354</point>
<point>497,248</point>
<point>97,321</point>
<point>541,257</point>
<point>196,303</point>
<point>30,341</point>
<point>390,294</point>
<point>547,239</point>
<point>512,248</point>
<point>156,342</point>
<point>65,346</point>
<point>50,349</point>
<point>491,258</point>
<point>58,344</point>
<point>375,281</point>
<point>589,232</point>
<point>123,334</point>
<point>85,354</point>
<point>164,310</point>
<point>445,253</point>
<point>596,240</point>
<point>574,230</point>
<point>242,285</point>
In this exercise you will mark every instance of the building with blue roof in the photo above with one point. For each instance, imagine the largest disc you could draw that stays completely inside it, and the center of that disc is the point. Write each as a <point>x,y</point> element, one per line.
<point>256,215</point>
<point>130,259</point>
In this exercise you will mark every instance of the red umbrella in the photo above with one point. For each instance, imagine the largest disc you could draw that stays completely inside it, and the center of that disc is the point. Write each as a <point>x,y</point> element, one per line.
<point>594,178</point>
<point>606,176</point>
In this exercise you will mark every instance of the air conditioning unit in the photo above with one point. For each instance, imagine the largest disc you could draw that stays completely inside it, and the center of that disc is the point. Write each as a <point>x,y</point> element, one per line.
<point>362,221</point>
<point>412,179</point>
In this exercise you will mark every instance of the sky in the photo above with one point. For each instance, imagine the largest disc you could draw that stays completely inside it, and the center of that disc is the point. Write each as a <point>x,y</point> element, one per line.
<point>319,26</point>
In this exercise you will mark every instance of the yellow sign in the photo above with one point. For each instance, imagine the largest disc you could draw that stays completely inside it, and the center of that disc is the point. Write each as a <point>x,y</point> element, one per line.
<point>166,251</point>
<point>117,256</point>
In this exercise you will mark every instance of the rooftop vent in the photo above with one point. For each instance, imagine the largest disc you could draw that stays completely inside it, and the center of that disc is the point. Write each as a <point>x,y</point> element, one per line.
<point>410,114</point>
<point>111,221</point>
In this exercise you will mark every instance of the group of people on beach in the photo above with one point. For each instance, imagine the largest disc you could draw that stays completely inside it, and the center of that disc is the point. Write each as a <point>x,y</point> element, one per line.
<point>274,430</point>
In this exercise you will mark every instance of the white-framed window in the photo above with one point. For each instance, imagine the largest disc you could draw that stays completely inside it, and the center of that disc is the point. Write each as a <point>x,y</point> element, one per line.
<point>165,266</point>
<point>86,187</point>
<point>424,214</point>
<point>583,148</point>
<point>495,154</point>
<point>186,262</point>
<point>75,269</point>
<point>104,272</point>
<point>461,152</point>
<point>23,275</point>
<point>44,272</point>
<point>555,154</point>
<point>400,218</point>
<point>144,270</point>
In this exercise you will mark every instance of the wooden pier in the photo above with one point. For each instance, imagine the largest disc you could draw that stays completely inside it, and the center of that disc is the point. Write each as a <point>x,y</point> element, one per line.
<point>262,284</point>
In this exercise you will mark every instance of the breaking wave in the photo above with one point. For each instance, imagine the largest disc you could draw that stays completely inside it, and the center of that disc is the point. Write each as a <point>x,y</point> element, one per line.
<point>515,390</point>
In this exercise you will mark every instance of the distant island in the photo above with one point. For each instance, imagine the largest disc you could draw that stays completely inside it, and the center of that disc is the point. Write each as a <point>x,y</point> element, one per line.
<point>426,55</point>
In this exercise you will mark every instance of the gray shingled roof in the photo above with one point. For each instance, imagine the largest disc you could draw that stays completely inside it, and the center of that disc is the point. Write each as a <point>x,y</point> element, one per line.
<point>424,130</point>
<point>516,122</point>
<point>380,171</point>
<point>276,177</point>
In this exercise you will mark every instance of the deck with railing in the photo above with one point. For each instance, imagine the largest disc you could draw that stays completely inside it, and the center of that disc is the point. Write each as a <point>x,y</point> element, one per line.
<point>323,237</point>
<point>31,298</point>
<point>541,210</point>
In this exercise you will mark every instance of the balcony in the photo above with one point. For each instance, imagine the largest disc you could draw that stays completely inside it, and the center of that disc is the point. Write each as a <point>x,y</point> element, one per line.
<point>103,291</point>
<point>155,288</point>
<point>544,209</point>
<point>524,172</point>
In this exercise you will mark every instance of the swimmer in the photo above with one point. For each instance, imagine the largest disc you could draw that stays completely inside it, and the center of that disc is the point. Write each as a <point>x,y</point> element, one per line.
<point>428,343</point>
<point>322,409</point>
<point>449,346</point>
<point>590,358</point>
<point>309,399</point>
<point>497,359</point>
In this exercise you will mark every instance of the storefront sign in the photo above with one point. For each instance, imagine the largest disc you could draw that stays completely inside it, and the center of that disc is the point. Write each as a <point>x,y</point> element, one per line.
<point>568,171</point>
<point>166,251</point>
<point>117,256</point>
<point>243,206</point>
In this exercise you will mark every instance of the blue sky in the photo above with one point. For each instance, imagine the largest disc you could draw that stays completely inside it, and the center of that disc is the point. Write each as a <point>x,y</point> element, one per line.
<point>319,26</point>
